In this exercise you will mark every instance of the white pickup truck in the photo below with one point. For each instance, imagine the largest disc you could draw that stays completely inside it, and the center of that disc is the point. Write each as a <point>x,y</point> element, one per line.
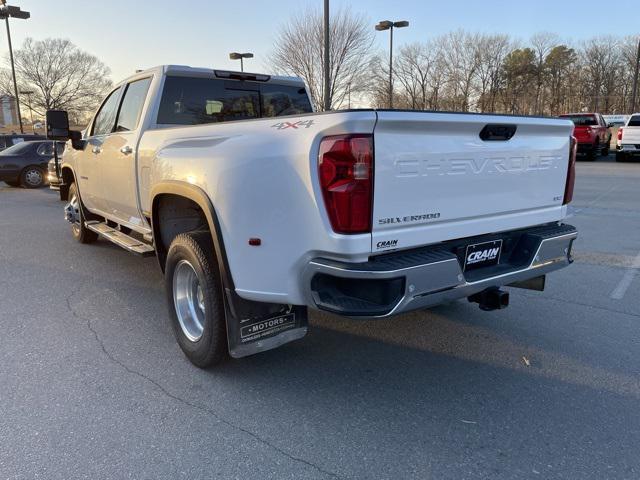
<point>258,208</point>
<point>628,142</point>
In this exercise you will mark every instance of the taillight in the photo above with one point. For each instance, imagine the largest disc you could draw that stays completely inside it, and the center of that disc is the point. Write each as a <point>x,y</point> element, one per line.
<point>620,133</point>
<point>345,165</point>
<point>571,171</point>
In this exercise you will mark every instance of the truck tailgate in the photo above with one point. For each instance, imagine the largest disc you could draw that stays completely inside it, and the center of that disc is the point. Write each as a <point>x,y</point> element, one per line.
<point>436,179</point>
<point>583,134</point>
<point>631,135</point>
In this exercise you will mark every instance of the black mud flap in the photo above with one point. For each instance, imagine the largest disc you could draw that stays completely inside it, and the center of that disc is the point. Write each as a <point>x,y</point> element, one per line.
<point>254,327</point>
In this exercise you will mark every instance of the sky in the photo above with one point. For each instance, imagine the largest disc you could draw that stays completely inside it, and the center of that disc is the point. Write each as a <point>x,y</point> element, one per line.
<point>133,34</point>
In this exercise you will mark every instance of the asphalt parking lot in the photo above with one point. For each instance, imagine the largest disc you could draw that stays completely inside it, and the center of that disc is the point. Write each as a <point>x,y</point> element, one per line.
<point>93,385</point>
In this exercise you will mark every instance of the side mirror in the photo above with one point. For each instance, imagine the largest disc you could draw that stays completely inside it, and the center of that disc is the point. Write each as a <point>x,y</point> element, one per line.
<point>58,125</point>
<point>77,142</point>
<point>610,125</point>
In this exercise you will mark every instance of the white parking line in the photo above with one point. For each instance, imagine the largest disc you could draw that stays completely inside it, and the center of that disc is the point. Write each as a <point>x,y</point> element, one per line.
<point>628,277</point>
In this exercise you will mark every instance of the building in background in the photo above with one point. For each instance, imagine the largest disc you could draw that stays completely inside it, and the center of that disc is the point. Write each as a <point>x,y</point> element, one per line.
<point>8,113</point>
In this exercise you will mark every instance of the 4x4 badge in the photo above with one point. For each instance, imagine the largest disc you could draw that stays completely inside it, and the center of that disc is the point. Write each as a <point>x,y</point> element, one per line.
<point>295,125</point>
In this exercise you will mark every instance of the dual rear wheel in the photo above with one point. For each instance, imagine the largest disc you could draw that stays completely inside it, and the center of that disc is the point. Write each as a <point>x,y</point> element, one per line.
<point>193,288</point>
<point>194,293</point>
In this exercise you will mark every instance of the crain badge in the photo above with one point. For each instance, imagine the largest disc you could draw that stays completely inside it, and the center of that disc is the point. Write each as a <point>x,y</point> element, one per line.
<point>267,327</point>
<point>387,244</point>
<point>293,125</point>
<point>482,254</point>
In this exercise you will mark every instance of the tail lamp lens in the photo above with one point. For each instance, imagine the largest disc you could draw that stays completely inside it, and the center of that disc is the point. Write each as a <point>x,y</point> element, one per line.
<point>571,171</point>
<point>345,165</point>
<point>620,133</point>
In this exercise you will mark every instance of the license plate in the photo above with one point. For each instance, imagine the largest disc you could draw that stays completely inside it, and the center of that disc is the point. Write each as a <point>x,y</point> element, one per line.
<point>483,254</point>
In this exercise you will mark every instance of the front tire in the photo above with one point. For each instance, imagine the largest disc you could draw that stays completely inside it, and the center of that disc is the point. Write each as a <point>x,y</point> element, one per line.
<point>78,229</point>
<point>194,293</point>
<point>32,177</point>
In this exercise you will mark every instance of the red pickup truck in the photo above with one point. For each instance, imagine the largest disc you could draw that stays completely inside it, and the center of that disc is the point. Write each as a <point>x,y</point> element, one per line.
<point>592,133</point>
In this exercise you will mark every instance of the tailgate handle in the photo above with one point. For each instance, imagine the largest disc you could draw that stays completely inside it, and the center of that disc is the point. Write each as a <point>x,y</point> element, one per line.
<point>497,132</point>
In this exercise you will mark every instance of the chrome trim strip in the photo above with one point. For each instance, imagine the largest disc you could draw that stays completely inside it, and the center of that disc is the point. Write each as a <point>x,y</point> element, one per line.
<point>369,273</point>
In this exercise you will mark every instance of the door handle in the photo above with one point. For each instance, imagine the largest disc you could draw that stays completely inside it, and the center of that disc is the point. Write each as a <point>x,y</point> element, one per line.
<point>126,150</point>
<point>96,149</point>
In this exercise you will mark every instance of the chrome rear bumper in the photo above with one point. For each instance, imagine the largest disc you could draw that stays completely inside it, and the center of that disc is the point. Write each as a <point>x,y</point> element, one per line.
<point>398,283</point>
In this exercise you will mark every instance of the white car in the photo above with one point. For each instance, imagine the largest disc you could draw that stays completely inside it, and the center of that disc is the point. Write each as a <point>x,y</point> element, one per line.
<point>257,208</point>
<point>628,141</point>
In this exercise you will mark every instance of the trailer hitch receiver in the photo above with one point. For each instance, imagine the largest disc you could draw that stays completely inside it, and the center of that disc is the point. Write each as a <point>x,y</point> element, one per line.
<point>491,299</point>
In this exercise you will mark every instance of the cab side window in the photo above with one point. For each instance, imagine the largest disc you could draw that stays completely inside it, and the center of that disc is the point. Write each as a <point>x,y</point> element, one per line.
<point>132,104</point>
<point>106,117</point>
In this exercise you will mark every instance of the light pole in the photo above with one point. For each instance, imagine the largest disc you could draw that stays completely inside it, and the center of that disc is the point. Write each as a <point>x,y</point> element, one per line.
<point>7,11</point>
<point>326,58</point>
<point>635,80</point>
<point>241,57</point>
<point>389,25</point>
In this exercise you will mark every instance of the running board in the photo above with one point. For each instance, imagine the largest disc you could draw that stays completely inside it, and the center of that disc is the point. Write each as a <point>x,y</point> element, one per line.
<point>123,240</point>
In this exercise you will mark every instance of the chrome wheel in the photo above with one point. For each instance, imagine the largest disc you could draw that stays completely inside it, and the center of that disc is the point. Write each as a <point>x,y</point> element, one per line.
<point>188,298</point>
<point>33,177</point>
<point>72,211</point>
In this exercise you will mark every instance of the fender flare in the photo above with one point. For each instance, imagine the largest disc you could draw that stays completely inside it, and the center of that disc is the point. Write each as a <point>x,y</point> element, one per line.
<point>199,197</point>
<point>65,190</point>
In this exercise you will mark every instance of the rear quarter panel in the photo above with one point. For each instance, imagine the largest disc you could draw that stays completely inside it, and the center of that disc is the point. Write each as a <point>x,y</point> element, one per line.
<point>261,176</point>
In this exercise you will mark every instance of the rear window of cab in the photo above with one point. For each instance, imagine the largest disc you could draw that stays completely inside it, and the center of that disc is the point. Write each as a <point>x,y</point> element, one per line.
<point>194,100</point>
<point>582,120</point>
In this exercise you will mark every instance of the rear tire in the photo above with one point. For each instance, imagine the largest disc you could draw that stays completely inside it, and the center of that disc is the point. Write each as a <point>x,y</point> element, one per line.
<point>621,157</point>
<point>605,150</point>
<point>593,153</point>
<point>194,293</point>
<point>32,177</point>
<point>78,229</point>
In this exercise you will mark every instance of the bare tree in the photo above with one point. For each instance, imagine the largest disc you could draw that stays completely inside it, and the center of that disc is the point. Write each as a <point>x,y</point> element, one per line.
<point>462,60</point>
<point>413,73</point>
<point>61,76</point>
<point>602,61</point>
<point>492,73</point>
<point>378,83</point>
<point>628,52</point>
<point>492,50</point>
<point>298,51</point>
<point>438,78</point>
<point>542,43</point>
